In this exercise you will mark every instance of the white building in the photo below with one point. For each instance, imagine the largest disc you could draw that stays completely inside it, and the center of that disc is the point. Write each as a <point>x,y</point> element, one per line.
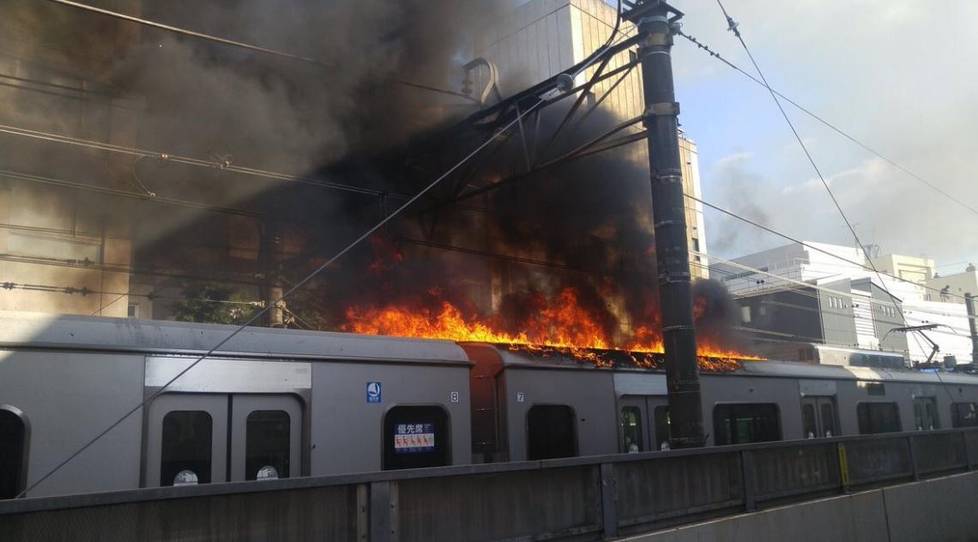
<point>823,265</point>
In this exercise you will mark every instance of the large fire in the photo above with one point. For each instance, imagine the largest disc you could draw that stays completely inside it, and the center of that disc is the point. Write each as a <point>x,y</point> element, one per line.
<point>559,325</point>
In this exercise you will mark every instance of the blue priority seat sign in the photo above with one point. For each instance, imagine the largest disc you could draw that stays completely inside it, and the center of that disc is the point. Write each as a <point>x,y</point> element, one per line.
<point>373,392</point>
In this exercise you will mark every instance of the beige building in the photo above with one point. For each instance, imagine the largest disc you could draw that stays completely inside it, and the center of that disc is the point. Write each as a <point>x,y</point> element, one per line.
<point>541,38</point>
<point>63,249</point>
<point>911,268</point>
<point>954,285</point>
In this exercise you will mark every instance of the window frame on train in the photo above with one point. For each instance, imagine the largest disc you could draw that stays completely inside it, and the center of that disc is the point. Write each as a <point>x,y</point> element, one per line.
<point>956,418</point>
<point>924,411</point>
<point>437,417</point>
<point>168,474</point>
<point>863,415</point>
<point>538,447</point>
<point>631,433</point>
<point>256,463</point>
<point>727,417</point>
<point>17,462</point>
<point>663,427</point>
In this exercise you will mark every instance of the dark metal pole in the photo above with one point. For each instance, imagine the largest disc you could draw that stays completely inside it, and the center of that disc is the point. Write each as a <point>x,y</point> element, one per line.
<point>969,301</point>
<point>669,216</point>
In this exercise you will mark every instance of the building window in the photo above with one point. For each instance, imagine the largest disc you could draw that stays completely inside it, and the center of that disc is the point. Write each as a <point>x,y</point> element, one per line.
<point>550,432</point>
<point>267,436</point>
<point>745,314</point>
<point>186,457</point>
<point>13,443</point>
<point>744,423</point>
<point>878,418</point>
<point>925,413</point>
<point>631,421</point>
<point>416,436</point>
<point>964,415</point>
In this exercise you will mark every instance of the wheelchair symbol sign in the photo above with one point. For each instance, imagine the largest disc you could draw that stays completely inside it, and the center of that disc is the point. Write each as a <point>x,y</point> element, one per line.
<point>373,392</point>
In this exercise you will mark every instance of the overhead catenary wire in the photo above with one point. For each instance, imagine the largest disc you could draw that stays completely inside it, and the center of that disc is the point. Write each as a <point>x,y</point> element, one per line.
<point>235,43</point>
<point>258,314</point>
<point>733,26</point>
<point>866,147</point>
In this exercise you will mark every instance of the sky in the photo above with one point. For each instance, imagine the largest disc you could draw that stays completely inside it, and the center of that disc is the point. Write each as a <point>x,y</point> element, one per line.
<point>899,75</point>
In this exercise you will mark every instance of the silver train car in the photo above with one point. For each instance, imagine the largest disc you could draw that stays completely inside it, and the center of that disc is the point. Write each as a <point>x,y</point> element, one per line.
<point>284,403</point>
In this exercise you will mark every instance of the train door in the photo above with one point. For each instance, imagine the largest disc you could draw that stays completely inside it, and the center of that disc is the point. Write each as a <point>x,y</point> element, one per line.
<point>189,437</point>
<point>658,407</point>
<point>818,417</point>
<point>265,431</point>
<point>634,416</point>
<point>186,441</point>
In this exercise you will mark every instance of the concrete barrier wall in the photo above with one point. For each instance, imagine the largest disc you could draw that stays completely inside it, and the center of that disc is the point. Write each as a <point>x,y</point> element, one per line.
<point>940,509</point>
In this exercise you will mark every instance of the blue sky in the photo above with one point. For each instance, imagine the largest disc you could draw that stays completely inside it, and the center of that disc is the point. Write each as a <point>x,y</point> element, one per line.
<point>900,75</point>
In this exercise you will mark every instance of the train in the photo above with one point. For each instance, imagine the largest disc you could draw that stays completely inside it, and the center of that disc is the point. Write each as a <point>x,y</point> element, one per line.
<point>279,403</point>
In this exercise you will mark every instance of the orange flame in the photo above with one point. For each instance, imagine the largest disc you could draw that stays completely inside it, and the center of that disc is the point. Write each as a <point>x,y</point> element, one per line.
<point>560,325</point>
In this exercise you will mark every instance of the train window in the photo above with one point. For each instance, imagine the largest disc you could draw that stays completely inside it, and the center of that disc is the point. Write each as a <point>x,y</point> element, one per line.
<point>415,437</point>
<point>827,416</point>
<point>631,420</point>
<point>663,428</point>
<point>187,447</point>
<point>809,428</point>
<point>925,413</point>
<point>964,415</point>
<point>878,418</point>
<point>550,432</point>
<point>873,388</point>
<point>13,440</point>
<point>267,444</point>
<point>743,423</point>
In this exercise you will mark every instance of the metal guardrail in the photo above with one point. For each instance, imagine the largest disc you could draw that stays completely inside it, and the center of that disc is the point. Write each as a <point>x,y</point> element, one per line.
<point>585,498</point>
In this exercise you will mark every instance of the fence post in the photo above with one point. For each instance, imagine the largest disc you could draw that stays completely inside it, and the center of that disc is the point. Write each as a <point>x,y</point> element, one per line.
<point>967,450</point>
<point>363,513</point>
<point>609,500</point>
<point>747,474</point>
<point>383,511</point>
<point>913,457</point>
<point>843,466</point>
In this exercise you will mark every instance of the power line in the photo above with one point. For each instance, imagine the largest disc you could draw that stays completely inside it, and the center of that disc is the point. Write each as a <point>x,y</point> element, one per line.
<point>191,33</point>
<point>239,44</point>
<point>832,126</point>
<point>733,27</point>
<point>807,245</point>
<point>186,160</point>
<point>366,234</point>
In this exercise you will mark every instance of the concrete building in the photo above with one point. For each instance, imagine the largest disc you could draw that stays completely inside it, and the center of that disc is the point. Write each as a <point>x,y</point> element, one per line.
<point>911,268</point>
<point>954,285</point>
<point>848,305</point>
<point>62,248</point>
<point>541,38</point>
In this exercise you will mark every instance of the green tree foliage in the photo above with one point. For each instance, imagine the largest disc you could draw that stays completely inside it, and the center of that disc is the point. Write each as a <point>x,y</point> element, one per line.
<point>214,304</point>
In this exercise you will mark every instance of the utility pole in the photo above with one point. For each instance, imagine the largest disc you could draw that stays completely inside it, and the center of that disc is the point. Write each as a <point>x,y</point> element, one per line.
<point>669,217</point>
<point>969,302</point>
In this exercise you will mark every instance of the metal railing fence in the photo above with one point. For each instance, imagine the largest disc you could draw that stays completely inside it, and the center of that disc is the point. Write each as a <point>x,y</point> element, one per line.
<point>584,498</point>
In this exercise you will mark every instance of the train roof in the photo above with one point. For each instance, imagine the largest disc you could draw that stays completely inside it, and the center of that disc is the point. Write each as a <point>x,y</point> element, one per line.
<point>36,330</point>
<point>839,372</point>
<point>623,362</point>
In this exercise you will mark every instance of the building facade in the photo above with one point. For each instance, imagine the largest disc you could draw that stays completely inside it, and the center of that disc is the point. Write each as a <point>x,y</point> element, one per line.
<point>837,299</point>
<point>541,38</point>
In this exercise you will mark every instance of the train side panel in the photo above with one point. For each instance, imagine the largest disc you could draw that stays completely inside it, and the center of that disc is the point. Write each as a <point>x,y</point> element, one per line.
<point>352,402</point>
<point>65,399</point>
<point>588,393</point>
